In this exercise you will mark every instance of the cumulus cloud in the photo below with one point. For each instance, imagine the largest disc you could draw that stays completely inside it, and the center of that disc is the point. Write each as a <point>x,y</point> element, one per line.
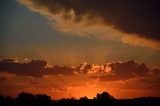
<point>36,76</point>
<point>107,72</point>
<point>39,68</point>
<point>35,68</point>
<point>105,18</point>
<point>124,71</point>
<point>93,68</point>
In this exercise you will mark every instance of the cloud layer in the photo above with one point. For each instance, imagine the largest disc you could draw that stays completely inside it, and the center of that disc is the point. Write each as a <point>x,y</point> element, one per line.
<point>35,68</point>
<point>139,19</point>
<point>124,71</point>
<point>119,78</point>
<point>108,71</point>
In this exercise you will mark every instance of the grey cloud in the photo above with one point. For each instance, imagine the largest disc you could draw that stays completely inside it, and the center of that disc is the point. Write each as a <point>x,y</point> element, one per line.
<point>107,72</point>
<point>139,17</point>
<point>124,71</point>
<point>35,68</point>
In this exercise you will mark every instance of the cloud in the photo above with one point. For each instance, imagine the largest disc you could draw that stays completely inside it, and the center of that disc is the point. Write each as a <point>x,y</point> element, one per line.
<point>108,71</point>
<point>124,71</point>
<point>36,74</point>
<point>119,78</point>
<point>139,41</point>
<point>104,19</point>
<point>149,82</point>
<point>93,68</point>
<point>2,78</point>
<point>35,68</point>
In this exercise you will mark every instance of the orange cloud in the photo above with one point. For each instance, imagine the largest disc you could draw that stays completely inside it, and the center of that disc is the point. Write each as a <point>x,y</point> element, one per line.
<point>122,79</point>
<point>143,42</point>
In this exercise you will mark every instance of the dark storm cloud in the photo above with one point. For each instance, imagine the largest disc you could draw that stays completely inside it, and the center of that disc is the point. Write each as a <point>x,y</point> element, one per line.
<point>139,17</point>
<point>35,68</point>
<point>124,71</point>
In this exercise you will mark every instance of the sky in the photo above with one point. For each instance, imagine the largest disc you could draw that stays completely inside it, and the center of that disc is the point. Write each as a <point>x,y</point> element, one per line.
<point>78,48</point>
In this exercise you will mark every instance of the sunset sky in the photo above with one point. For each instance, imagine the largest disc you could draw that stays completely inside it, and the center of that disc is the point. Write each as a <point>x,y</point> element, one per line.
<point>75,48</point>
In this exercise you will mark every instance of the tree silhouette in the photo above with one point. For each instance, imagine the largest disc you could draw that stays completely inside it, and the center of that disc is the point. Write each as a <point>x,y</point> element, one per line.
<point>103,99</point>
<point>25,99</point>
<point>104,96</point>
<point>84,98</point>
<point>43,100</point>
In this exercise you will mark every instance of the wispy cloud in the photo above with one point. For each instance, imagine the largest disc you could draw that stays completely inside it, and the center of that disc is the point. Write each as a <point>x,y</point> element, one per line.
<point>122,20</point>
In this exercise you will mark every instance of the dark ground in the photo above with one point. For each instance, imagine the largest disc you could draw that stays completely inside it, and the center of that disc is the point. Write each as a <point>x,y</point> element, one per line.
<point>104,99</point>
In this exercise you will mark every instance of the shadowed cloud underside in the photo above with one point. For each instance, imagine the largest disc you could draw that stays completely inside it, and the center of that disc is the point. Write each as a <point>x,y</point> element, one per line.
<point>62,81</point>
<point>132,22</point>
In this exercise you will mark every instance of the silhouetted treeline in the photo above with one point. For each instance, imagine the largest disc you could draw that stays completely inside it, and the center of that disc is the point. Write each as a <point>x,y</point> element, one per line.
<point>104,99</point>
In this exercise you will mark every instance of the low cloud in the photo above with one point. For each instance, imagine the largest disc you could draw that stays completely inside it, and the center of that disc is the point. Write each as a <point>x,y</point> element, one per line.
<point>35,68</point>
<point>119,78</point>
<point>148,82</point>
<point>124,71</point>
<point>106,72</point>
<point>104,19</point>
